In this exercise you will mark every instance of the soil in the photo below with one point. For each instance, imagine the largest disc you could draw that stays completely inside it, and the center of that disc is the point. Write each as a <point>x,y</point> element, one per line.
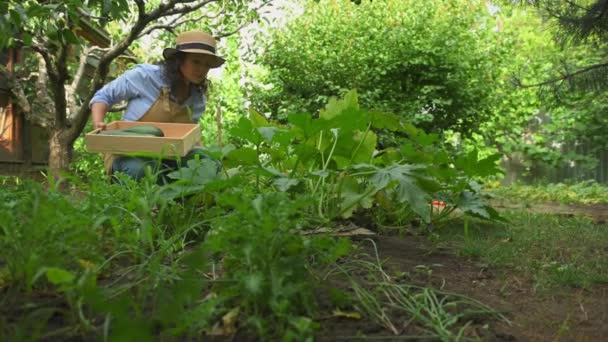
<point>567,315</point>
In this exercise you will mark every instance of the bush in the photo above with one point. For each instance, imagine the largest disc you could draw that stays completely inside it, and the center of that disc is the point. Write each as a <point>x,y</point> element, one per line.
<point>431,62</point>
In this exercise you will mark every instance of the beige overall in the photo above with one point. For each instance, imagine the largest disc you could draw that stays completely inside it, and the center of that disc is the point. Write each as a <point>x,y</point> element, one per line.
<point>162,110</point>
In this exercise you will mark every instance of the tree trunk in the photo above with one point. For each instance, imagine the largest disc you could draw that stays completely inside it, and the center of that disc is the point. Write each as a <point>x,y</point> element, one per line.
<point>514,169</point>
<point>60,152</point>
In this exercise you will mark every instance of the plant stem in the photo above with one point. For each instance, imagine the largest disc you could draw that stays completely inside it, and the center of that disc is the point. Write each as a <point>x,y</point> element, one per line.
<point>466,229</point>
<point>353,154</point>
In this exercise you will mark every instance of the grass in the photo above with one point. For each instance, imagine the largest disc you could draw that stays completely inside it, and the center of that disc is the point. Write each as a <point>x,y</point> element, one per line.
<point>122,263</point>
<point>587,192</point>
<point>554,250</point>
<point>113,261</point>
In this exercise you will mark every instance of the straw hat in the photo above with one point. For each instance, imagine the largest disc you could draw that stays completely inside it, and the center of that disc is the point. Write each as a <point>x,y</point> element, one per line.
<point>195,42</point>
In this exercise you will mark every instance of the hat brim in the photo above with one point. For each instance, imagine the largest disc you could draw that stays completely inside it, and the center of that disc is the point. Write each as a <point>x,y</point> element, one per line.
<point>216,61</point>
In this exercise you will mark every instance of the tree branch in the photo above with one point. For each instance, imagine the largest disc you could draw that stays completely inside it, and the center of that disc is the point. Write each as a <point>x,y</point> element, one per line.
<point>230,33</point>
<point>58,86</point>
<point>187,8</point>
<point>240,27</point>
<point>141,8</point>
<point>170,26</point>
<point>44,53</point>
<point>15,88</point>
<point>161,9</point>
<point>76,84</point>
<point>563,78</point>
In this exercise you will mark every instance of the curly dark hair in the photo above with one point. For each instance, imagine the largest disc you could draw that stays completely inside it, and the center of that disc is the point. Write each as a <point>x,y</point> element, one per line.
<point>174,75</point>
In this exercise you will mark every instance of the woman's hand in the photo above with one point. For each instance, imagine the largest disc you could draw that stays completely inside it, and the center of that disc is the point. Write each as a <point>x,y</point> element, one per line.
<point>98,113</point>
<point>99,125</point>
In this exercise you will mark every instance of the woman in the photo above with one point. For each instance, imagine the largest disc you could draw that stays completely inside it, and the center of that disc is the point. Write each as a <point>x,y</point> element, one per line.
<point>173,92</point>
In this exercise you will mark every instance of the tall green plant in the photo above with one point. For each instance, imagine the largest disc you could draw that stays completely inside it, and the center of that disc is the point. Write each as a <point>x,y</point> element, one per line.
<point>334,159</point>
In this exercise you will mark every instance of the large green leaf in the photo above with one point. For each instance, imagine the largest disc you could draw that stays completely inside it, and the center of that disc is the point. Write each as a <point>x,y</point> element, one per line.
<point>306,127</point>
<point>408,188</point>
<point>357,147</point>
<point>354,195</point>
<point>365,146</point>
<point>58,276</point>
<point>268,132</point>
<point>381,120</point>
<point>471,203</point>
<point>242,156</point>
<point>197,171</point>
<point>303,123</point>
<point>306,153</point>
<point>337,106</point>
<point>473,167</point>
<point>244,129</point>
<point>257,119</point>
<point>284,183</point>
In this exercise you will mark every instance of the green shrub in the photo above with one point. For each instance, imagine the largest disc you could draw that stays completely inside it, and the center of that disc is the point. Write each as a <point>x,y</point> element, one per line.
<point>432,63</point>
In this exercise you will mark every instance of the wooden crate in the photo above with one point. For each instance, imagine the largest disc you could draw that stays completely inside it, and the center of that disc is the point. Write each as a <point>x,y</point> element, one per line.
<point>178,140</point>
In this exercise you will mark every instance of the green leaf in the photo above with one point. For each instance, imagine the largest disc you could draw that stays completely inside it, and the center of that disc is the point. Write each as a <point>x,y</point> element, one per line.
<point>408,188</point>
<point>258,204</point>
<point>425,139</point>
<point>351,195</point>
<point>341,162</point>
<point>196,171</point>
<point>320,173</point>
<point>387,121</point>
<point>470,202</point>
<point>253,282</point>
<point>267,132</point>
<point>408,191</point>
<point>306,153</point>
<point>489,166</point>
<point>472,167</point>
<point>303,122</point>
<point>411,130</point>
<point>242,156</point>
<point>244,129</point>
<point>336,106</point>
<point>283,137</point>
<point>69,36</point>
<point>467,163</point>
<point>356,147</point>
<point>389,156</point>
<point>284,184</point>
<point>257,119</point>
<point>365,146</point>
<point>58,276</point>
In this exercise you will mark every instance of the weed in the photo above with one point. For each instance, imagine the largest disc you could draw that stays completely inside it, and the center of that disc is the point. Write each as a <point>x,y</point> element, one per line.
<point>397,306</point>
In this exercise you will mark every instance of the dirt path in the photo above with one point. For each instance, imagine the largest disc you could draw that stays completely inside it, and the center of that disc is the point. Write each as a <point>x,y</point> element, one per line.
<point>571,314</point>
<point>597,212</point>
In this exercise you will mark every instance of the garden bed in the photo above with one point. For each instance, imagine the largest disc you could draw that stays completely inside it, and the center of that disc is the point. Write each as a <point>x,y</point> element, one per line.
<point>560,314</point>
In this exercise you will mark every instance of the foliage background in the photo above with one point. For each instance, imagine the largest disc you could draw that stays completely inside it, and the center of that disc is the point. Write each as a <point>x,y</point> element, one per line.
<point>432,63</point>
<point>446,66</point>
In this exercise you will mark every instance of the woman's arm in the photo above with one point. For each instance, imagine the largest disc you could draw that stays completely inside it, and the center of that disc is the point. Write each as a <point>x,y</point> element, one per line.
<point>98,113</point>
<point>124,88</point>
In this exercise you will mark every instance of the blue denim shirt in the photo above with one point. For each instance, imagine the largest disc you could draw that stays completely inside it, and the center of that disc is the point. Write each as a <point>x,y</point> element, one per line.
<point>140,87</point>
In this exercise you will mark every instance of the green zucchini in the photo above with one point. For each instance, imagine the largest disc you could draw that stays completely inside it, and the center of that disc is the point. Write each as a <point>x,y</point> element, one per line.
<point>144,130</point>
